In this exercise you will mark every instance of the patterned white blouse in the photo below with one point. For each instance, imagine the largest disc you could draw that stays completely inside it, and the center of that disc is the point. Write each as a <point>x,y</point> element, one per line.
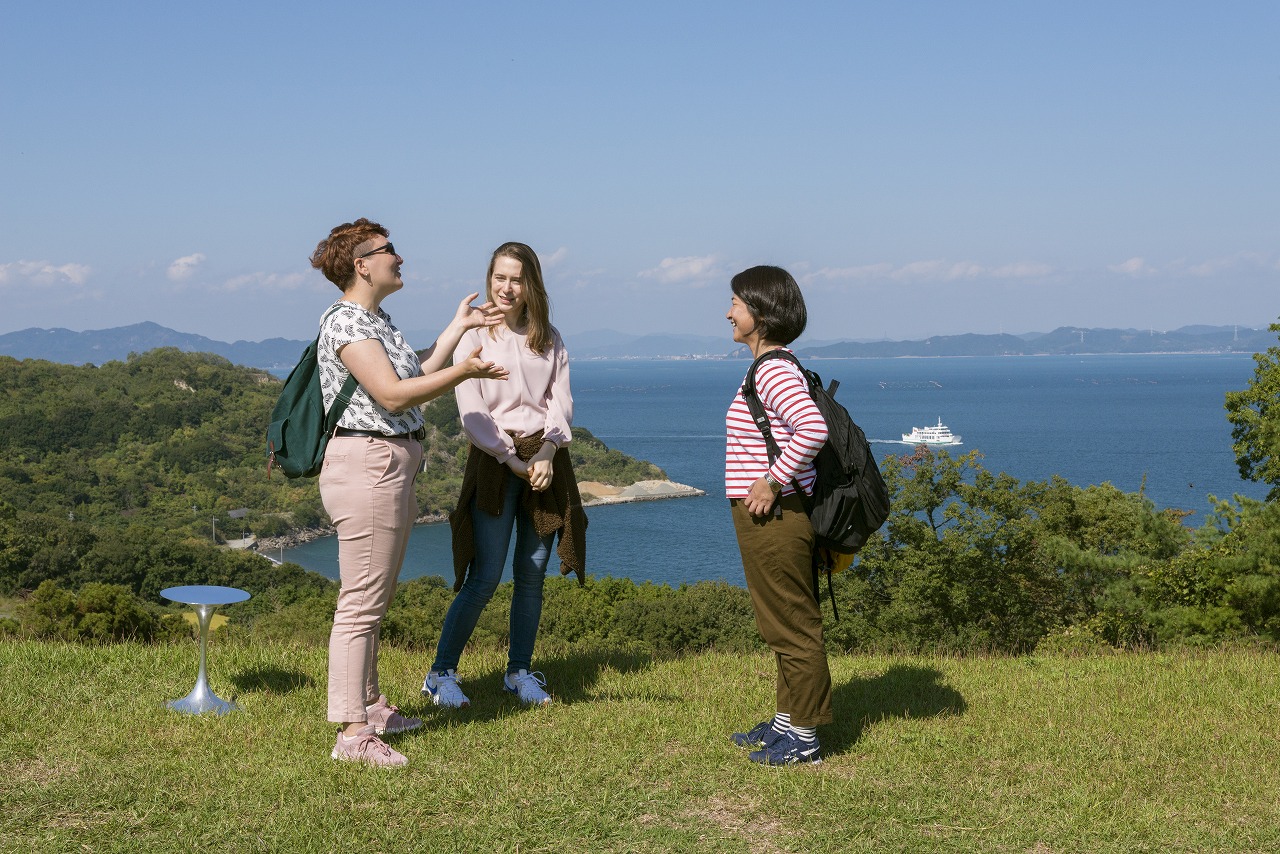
<point>346,322</point>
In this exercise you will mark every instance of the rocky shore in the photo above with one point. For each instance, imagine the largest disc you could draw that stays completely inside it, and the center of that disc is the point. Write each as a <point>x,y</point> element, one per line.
<point>646,490</point>
<point>593,494</point>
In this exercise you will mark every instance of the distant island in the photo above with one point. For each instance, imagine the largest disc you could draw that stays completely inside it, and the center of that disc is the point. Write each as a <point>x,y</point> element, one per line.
<point>278,354</point>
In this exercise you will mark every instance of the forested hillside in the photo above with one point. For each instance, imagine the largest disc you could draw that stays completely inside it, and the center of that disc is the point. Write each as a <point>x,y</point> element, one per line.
<point>127,472</point>
<point>176,441</point>
<point>112,479</point>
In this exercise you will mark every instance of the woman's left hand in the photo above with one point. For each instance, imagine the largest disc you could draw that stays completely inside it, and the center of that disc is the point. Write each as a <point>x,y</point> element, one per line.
<point>540,468</point>
<point>475,367</point>
<point>540,474</point>
<point>471,316</point>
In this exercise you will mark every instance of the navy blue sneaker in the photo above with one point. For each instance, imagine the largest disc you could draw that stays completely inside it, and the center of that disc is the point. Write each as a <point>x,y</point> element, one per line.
<point>787,749</point>
<point>762,733</point>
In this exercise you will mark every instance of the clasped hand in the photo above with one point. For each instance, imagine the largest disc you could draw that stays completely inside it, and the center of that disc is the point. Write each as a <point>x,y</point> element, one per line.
<point>538,470</point>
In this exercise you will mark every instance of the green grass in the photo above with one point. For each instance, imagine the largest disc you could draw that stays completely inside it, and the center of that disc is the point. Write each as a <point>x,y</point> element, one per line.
<point>1143,752</point>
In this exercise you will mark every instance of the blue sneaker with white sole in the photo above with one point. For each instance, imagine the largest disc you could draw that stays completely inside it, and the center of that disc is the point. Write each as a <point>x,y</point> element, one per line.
<point>788,749</point>
<point>762,734</point>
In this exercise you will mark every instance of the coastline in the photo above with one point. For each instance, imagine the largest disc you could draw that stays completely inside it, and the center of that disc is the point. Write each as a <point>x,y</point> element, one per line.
<point>594,495</point>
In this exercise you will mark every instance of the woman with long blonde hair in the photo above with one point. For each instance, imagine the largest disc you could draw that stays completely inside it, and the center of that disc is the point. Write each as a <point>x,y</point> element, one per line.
<point>518,477</point>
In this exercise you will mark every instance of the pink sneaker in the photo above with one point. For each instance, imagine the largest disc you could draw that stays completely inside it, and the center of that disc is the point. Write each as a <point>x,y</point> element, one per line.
<point>386,718</point>
<point>366,747</point>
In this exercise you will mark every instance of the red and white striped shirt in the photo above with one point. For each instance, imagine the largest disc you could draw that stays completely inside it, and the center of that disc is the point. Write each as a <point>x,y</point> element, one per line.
<point>797,425</point>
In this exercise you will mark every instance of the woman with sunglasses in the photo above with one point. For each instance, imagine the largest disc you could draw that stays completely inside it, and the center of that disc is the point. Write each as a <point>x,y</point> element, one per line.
<point>370,464</point>
<point>518,476</point>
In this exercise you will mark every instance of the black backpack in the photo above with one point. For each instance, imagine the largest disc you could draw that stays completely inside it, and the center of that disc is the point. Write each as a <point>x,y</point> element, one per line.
<point>300,428</point>
<point>850,500</point>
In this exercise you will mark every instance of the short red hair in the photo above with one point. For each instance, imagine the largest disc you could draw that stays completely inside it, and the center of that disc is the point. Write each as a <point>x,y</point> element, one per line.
<point>335,256</point>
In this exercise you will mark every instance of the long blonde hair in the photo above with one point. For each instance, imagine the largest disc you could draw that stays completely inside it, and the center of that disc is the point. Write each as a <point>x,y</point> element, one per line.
<point>537,309</point>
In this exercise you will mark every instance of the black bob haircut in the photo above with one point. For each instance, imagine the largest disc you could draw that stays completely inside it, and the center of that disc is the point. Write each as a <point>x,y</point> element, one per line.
<point>775,302</point>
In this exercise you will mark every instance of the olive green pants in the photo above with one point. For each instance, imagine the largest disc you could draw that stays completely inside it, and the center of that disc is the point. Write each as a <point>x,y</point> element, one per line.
<point>777,558</point>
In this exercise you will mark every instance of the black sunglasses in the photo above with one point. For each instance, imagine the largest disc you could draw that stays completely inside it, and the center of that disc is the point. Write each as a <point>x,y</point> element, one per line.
<point>386,247</point>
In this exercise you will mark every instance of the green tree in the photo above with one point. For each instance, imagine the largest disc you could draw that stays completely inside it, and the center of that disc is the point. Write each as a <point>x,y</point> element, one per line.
<point>957,566</point>
<point>1254,414</point>
<point>1227,586</point>
<point>1100,540</point>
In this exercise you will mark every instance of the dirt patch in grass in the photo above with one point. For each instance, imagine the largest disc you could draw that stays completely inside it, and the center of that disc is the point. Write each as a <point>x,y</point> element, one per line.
<point>743,819</point>
<point>33,772</point>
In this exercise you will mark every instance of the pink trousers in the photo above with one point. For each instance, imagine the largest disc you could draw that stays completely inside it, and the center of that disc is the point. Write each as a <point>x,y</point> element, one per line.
<point>367,489</point>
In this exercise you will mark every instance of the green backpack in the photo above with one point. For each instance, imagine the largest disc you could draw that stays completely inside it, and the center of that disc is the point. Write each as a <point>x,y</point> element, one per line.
<point>300,428</point>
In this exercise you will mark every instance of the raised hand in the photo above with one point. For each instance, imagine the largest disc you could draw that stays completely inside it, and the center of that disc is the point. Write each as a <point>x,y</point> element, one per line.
<point>470,316</point>
<point>477,368</point>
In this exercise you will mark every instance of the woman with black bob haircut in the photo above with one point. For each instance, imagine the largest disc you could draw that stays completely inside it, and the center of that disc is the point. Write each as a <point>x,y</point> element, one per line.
<point>774,299</point>
<point>776,540</point>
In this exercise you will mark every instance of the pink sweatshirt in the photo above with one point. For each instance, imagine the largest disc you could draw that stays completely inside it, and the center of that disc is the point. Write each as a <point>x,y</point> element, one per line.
<point>534,397</point>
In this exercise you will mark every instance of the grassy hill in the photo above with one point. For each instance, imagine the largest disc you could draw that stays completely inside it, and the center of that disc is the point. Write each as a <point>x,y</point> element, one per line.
<point>1132,752</point>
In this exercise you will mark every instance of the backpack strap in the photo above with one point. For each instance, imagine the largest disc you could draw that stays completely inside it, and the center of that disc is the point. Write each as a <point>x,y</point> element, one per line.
<point>343,398</point>
<point>818,567</point>
<point>340,403</point>
<point>758,415</point>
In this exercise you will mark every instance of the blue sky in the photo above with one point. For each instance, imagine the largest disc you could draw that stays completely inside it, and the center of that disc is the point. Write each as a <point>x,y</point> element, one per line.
<point>923,168</point>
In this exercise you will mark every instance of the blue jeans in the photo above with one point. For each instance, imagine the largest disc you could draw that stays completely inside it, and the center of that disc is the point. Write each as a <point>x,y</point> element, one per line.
<point>529,568</point>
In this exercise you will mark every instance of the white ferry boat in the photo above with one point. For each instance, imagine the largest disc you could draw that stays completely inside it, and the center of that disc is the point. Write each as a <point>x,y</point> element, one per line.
<point>940,435</point>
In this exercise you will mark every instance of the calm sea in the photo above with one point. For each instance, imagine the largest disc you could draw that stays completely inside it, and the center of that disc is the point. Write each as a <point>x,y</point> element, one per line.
<point>1153,422</point>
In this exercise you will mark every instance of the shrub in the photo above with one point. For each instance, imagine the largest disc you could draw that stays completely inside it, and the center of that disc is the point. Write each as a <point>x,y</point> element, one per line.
<point>693,618</point>
<point>100,613</point>
<point>417,613</point>
<point>1073,641</point>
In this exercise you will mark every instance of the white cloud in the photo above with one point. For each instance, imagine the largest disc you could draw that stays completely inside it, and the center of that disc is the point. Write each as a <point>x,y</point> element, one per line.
<point>932,271</point>
<point>182,269</point>
<point>1135,266</point>
<point>43,273</point>
<point>1022,270</point>
<point>683,270</point>
<point>554,258</point>
<point>866,271</point>
<point>937,271</point>
<point>1242,261</point>
<point>266,282</point>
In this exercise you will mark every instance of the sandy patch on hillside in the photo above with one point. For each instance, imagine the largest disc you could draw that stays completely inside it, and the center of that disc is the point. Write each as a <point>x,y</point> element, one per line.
<point>645,490</point>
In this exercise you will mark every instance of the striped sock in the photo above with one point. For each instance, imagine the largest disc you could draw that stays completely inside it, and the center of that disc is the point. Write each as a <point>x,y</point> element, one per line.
<point>807,734</point>
<point>781,721</point>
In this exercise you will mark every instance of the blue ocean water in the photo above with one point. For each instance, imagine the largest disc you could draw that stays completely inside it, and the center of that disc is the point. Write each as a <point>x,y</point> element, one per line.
<point>1139,422</point>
